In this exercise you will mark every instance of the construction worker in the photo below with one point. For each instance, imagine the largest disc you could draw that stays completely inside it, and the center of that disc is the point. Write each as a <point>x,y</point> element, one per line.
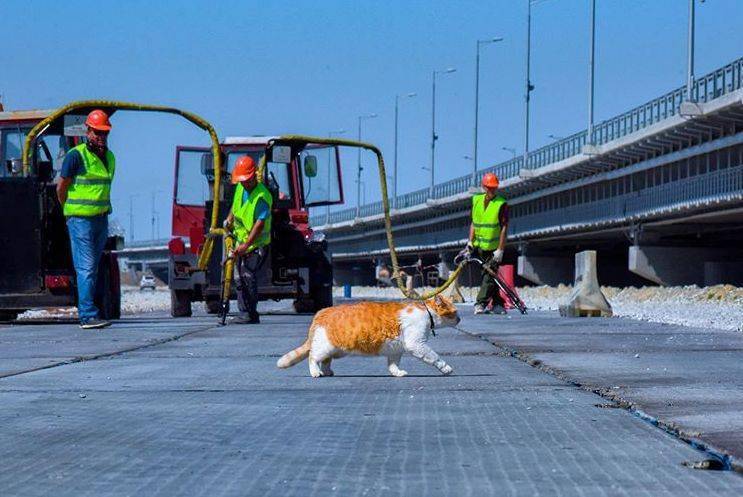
<point>488,239</point>
<point>84,190</point>
<point>250,218</point>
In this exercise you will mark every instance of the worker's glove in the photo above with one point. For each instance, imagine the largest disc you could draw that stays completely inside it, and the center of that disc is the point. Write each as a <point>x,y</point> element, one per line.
<point>498,256</point>
<point>470,248</point>
<point>226,224</point>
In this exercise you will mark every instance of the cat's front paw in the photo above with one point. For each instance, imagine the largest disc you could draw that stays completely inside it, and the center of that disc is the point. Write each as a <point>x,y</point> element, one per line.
<point>399,373</point>
<point>446,370</point>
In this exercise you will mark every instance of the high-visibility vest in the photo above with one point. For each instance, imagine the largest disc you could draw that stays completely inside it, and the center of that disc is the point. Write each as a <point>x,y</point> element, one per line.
<point>90,193</point>
<point>486,222</point>
<point>245,215</point>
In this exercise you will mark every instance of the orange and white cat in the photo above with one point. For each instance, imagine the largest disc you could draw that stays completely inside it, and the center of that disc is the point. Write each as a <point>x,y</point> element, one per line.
<point>374,328</point>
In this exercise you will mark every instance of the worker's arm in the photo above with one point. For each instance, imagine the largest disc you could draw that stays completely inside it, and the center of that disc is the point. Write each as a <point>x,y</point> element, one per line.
<point>502,240</point>
<point>62,186</point>
<point>254,234</point>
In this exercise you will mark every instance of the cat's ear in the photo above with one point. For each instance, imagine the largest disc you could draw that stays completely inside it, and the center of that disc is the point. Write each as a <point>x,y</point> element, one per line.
<point>437,300</point>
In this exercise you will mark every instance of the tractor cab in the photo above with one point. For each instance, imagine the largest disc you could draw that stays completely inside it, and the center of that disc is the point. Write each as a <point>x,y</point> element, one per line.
<point>300,176</point>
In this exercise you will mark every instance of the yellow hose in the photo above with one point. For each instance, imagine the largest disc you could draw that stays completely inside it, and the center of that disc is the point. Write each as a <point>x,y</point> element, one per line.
<point>385,203</point>
<point>113,104</point>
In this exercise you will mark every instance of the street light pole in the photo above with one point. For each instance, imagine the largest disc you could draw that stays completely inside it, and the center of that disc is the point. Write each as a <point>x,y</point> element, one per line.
<point>433,125</point>
<point>690,48</point>
<point>477,103</point>
<point>589,135</point>
<point>394,180</point>
<point>358,165</point>
<point>528,82</point>
<point>327,209</point>
<point>131,216</point>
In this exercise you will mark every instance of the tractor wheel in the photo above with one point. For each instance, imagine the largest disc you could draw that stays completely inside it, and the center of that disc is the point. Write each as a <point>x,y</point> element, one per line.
<point>8,316</point>
<point>108,290</point>
<point>180,303</point>
<point>304,305</point>
<point>212,305</point>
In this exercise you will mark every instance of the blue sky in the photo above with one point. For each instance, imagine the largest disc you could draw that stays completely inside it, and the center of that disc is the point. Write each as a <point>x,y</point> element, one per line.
<point>313,66</point>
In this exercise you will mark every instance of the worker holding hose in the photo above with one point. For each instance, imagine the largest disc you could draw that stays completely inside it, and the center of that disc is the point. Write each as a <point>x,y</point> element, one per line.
<point>250,218</point>
<point>487,241</point>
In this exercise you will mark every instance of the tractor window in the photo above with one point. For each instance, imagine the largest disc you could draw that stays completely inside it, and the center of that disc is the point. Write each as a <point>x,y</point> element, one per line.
<point>320,182</point>
<point>278,177</point>
<point>193,185</point>
<point>12,149</point>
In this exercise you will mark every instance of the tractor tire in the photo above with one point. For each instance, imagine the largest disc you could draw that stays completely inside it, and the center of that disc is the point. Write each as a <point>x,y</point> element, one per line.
<point>8,316</point>
<point>180,303</point>
<point>108,290</point>
<point>321,282</point>
<point>212,306</point>
<point>304,306</point>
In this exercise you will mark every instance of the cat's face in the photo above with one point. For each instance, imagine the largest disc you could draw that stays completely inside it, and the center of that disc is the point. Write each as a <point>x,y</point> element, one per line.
<point>445,309</point>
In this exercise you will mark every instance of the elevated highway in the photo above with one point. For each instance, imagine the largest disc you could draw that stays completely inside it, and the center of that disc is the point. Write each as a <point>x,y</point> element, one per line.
<point>657,190</point>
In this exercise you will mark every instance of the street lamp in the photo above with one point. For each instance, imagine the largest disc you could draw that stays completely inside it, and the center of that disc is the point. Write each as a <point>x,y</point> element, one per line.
<point>336,132</point>
<point>358,165</point>
<point>394,181</point>
<point>132,196</point>
<point>480,43</point>
<point>589,134</point>
<point>509,149</point>
<point>433,124</point>
<point>154,213</point>
<point>690,49</point>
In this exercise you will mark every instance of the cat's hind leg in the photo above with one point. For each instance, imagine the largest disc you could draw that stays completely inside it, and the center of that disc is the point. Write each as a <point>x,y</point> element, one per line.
<point>426,354</point>
<point>325,367</point>
<point>321,353</point>
<point>393,365</point>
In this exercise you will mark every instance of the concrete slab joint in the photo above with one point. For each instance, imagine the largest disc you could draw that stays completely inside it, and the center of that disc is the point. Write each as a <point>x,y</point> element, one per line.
<point>587,298</point>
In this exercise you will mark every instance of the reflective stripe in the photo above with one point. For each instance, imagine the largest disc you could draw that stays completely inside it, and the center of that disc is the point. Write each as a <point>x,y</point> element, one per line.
<point>486,225</point>
<point>91,181</point>
<point>82,201</point>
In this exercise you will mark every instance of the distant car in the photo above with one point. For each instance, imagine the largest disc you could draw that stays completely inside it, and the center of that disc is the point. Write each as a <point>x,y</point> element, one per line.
<point>147,281</point>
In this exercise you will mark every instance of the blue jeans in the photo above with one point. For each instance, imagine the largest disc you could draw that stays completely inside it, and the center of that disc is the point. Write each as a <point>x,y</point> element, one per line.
<point>88,238</point>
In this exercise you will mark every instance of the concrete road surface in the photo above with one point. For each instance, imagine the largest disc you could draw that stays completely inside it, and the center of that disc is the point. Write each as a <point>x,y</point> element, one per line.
<point>154,406</point>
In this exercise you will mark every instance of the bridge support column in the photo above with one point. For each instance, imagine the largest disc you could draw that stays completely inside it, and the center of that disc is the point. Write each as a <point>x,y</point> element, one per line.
<point>673,266</point>
<point>546,270</point>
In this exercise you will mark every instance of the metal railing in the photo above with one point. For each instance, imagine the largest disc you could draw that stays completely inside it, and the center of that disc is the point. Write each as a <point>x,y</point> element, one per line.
<point>721,185</point>
<point>706,88</point>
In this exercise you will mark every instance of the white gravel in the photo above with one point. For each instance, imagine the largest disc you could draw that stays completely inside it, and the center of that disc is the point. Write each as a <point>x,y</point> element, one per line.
<point>133,301</point>
<point>719,307</point>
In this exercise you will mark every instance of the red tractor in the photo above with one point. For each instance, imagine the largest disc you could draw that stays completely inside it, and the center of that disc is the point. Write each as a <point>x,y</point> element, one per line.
<point>300,174</point>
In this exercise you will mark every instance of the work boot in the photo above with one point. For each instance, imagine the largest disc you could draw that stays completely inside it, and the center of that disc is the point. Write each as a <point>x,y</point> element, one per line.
<point>498,309</point>
<point>248,319</point>
<point>481,309</point>
<point>94,323</point>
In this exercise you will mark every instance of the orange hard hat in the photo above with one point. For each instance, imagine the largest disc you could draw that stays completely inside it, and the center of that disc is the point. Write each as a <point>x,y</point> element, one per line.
<point>490,180</point>
<point>97,119</point>
<point>244,169</point>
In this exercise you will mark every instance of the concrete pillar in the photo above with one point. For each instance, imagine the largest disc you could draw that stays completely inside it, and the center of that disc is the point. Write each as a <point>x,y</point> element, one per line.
<point>545,270</point>
<point>675,266</point>
<point>587,298</point>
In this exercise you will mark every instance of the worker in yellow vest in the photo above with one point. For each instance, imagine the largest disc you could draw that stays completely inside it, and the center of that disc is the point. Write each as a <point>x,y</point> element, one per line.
<point>488,239</point>
<point>84,191</point>
<point>250,219</point>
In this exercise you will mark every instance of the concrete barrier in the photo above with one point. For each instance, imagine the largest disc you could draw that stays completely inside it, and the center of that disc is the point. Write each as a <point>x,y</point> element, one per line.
<point>587,298</point>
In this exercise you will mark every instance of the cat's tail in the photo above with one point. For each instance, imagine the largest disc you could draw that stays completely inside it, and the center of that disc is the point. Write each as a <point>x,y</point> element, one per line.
<point>297,355</point>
